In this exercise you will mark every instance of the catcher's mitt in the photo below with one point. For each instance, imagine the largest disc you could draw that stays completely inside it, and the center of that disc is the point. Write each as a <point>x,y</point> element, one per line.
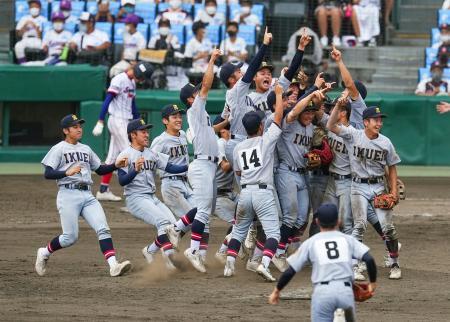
<point>319,133</point>
<point>313,161</point>
<point>385,201</point>
<point>361,291</point>
<point>401,189</point>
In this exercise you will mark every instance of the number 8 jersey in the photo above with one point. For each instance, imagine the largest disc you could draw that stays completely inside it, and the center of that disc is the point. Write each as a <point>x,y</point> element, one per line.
<point>254,157</point>
<point>330,254</point>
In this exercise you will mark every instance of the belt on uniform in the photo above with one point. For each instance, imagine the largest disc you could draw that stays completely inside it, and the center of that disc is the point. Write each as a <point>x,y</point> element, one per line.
<point>224,190</point>
<point>260,186</point>
<point>299,170</point>
<point>77,186</point>
<point>176,178</point>
<point>345,283</point>
<point>206,157</point>
<point>340,176</point>
<point>322,172</point>
<point>372,180</point>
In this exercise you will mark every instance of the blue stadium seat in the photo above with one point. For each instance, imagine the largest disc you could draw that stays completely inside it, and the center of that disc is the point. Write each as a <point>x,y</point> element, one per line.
<point>164,6</point>
<point>435,36</point>
<point>446,74</point>
<point>247,32</point>
<point>67,26</point>
<point>424,73</point>
<point>177,30</point>
<point>106,27</point>
<point>77,7</point>
<point>92,7</point>
<point>213,33</point>
<point>444,17</point>
<point>430,55</point>
<point>146,10</point>
<point>257,9</point>
<point>22,9</point>
<point>119,28</point>
<point>222,8</point>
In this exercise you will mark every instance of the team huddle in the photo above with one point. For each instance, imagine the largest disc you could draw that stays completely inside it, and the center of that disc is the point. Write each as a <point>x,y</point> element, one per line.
<point>271,158</point>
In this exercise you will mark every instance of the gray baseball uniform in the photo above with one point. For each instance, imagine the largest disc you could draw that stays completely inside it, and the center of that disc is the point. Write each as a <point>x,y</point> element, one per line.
<point>253,157</point>
<point>175,190</point>
<point>72,202</point>
<point>358,106</point>
<point>259,100</point>
<point>202,171</point>
<point>226,198</point>
<point>140,192</point>
<point>330,254</point>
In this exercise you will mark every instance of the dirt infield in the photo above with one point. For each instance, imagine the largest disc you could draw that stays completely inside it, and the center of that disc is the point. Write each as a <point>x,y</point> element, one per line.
<point>77,286</point>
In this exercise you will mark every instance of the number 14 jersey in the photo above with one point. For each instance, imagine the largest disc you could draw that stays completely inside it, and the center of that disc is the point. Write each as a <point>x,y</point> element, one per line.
<point>330,254</point>
<point>254,157</point>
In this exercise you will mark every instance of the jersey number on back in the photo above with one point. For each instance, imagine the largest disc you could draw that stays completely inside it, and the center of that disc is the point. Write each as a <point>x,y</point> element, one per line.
<point>332,251</point>
<point>250,159</point>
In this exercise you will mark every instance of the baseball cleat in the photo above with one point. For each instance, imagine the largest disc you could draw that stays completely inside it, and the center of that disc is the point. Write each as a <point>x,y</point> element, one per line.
<point>120,268</point>
<point>357,274</point>
<point>107,196</point>
<point>395,273</point>
<point>229,269</point>
<point>280,262</point>
<point>250,240</point>
<point>221,257</point>
<point>174,236</point>
<point>265,273</point>
<point>168,260</point>
<point>41,262</point>
<point>147,255</point>
<point>252,264</point>
<point>195,260</point>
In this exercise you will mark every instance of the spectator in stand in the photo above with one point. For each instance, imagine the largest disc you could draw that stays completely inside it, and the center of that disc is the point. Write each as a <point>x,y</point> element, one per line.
<point>164,39</point>
<point>65,6</point>
<point>103,13</point>
<point>246,16</point>
<point>127,7</point>
<point>444,45</point>
<point>133,42</point>
<point>315,52</point>
<point>210,15</point>
<point>325,9</point>
<point>368,19</point>
<point>175,14</point>
<point>29,28</point>
<point>234,48</point>
<point>435,85</point>
<point>199,48</point>
<point>88,38</point>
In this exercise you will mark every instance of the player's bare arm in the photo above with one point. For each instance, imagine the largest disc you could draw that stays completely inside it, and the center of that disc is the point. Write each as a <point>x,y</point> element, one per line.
<point>336,55</point>
<point>209,74</point>
<point>121,163</point>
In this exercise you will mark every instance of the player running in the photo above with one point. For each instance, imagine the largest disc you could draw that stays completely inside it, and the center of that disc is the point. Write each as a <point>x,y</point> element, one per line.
<point>120,104</point>
<point>70,163</point>
<point>330,252</point>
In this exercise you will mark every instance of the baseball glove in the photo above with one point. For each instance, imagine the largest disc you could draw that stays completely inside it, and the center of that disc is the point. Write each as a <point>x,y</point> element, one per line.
<point>313,161</point>
<point>319,134</point>
<point>361,291</point>
<point>401,189</point>
<point>385,201</point>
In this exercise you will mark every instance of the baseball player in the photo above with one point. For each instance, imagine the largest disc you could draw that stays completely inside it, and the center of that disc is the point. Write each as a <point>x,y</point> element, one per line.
<point>370,152</point>
<point>138,178</point>
<point>70,163</point>
<point>202,170</point>
<point>263,77</point>
<point>330,253</point>
<point>253,162</point>
<point>120,104</point>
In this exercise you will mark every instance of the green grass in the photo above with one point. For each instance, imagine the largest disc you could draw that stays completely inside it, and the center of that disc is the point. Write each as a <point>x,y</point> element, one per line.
<point>403,171</point>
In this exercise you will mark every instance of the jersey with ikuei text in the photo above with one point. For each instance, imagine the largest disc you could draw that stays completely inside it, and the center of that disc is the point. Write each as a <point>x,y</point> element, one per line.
<point>144,182</point>
<point>175,147</point>
<point>64,155</point>
<point>368,157</point>
<point>254,157</point>
<point>330,254</point>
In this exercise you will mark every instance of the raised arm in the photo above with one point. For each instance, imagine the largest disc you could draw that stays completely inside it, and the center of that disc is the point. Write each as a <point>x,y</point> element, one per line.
<point>301,104</point>
<point>332,124</point>
<point>209,74</point>
<point>345,74</point>
<point>278,115</point>
<point>257,59</point>
<point>298,57</point>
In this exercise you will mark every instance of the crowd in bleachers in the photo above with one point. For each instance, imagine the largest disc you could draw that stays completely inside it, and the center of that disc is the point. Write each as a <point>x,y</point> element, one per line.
<point>434,78</point>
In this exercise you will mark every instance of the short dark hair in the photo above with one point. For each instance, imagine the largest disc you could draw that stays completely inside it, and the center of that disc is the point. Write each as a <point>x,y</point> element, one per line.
<point>210,1</point>
<point>233,23</point>
<point>129,136</point>
<point>196,26</point>
<point>253,131</point>
<point>331,225</point>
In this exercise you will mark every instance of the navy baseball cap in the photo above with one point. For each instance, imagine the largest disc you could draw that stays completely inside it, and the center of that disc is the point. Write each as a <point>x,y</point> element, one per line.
<point>187,91</point>
<point>219,119</point>
<point>171,109</point>
<point>310,107</point>
<point>266,65</point>
<point>360,87</point>
<point>70,120</point>
<point>137,125</point>
<point>372,112</point>
<point>272,98</point>
<point>327,214</point>
<point>227,70</point>
<point>143,70</point>
<point>252,120</point>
